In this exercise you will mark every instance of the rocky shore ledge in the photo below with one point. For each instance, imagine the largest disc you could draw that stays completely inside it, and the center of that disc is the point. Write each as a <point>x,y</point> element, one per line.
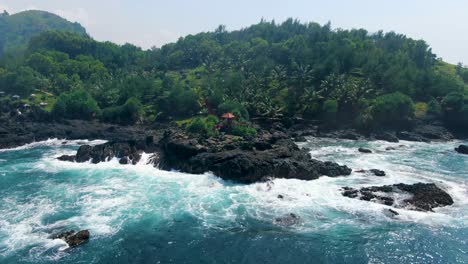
<point>268,155</point>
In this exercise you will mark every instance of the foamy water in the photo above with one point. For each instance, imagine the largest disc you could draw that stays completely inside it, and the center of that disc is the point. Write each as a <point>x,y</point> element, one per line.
<point>165,214</point>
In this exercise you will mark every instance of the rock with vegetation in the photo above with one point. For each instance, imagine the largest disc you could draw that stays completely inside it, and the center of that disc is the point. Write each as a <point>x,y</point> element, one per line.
<point>241,160</point>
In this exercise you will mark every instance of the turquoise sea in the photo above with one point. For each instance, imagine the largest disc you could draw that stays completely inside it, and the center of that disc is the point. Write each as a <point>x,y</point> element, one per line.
<point>139,214</point>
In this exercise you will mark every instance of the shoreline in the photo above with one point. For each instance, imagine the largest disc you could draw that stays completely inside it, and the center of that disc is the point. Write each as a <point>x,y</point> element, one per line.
<point>14,133</point>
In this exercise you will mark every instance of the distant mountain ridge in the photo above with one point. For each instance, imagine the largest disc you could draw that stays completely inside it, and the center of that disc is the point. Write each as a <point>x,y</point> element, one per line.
<point>16,30</point>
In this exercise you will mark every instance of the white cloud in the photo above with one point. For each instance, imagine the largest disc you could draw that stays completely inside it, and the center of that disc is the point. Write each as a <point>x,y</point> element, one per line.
<point>4,7</point>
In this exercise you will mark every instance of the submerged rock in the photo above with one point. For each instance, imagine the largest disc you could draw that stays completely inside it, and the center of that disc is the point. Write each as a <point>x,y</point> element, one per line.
<point>364,150</point>
<point>288,220</point>
<point>462,149</point>
<point>391,213</point>
<point>73,239</point>
<point>70,158</point>
<point>379,173</point>
<point>373,171</point>
<point>423,196</point>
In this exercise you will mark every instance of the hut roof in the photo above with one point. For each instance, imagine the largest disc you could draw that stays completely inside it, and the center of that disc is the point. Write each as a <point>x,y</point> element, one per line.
<point>228,116</point>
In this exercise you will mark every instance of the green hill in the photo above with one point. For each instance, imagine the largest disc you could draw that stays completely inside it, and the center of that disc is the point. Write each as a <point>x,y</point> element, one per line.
<point>16,30</point>
<point>268,70</point>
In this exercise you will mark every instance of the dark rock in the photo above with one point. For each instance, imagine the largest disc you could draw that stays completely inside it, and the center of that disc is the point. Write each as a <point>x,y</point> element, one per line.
<point>280,196</point>
<point>411,136</point>
<point>378,172</point>
<point>361,171</point>
<point>110,150</point>
<point>347,134</point>
<point>390,148</point>
<point>70,158</point>
<point>424,196</point>
<point>74,239</point>
<point>282,160</point>
<point>364,150</point>
<point>300,139</point>
<point>462,149</point>
<point>387,136</point>
<point>288,220</point>
<point>343,134</point>
<point>433,132</point>
<point>84,153</point>
<point>262,145</point>
<point>123,160</point>
<point>391,213</point>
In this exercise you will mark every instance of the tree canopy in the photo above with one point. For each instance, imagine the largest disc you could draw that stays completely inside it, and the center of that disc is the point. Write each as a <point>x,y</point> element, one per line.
<point>266,70</point>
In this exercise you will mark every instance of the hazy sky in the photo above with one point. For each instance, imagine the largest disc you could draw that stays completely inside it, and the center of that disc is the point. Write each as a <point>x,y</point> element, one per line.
<point>146,23</point>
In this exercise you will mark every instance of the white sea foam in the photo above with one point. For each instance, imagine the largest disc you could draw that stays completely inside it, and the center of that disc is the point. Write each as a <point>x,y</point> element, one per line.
<point>106,196</point>
<point>51,142</point>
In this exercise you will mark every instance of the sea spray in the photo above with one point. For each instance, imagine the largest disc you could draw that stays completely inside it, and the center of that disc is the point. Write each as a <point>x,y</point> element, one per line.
<point>141,207</point>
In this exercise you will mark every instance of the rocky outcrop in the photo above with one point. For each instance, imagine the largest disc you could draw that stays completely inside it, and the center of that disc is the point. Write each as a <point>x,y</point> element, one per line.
<point>462,149</point>
<point>423,196</point>
<point>126,152</point>
<point>269,155</point>
<point>69,158</point>
<point>73,239</point>
<point>433,132</point>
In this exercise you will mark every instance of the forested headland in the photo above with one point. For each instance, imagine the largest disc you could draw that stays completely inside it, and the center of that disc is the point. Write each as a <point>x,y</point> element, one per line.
<point>267,70</point>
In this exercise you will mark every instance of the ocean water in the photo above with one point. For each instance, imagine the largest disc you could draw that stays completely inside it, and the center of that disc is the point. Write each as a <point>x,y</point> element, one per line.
<point>138,214</point>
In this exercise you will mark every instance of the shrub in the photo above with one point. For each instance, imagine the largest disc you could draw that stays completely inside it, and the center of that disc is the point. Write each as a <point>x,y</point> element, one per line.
<point>420,110</point>
<point>455,111</point>
<point>392,110</point>
<point>203,126</point>
<point>197,126</point>
<point>329,110</point>
<point>243,131</point>
<point>126,114</point>
<point>434,107</point>
<point>453,102</point>
<point>330,107</point>
<point>76,104</point>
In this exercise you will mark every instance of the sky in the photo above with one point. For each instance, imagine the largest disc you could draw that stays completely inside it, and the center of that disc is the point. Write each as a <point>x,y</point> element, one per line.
<point>147,23</point>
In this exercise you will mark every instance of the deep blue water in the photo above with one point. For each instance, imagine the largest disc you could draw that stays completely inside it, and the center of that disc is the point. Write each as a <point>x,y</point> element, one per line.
<point>138,214</point>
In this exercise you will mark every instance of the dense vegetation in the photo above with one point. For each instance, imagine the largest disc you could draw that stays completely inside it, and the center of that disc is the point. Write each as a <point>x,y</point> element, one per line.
<point>266,70</point>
